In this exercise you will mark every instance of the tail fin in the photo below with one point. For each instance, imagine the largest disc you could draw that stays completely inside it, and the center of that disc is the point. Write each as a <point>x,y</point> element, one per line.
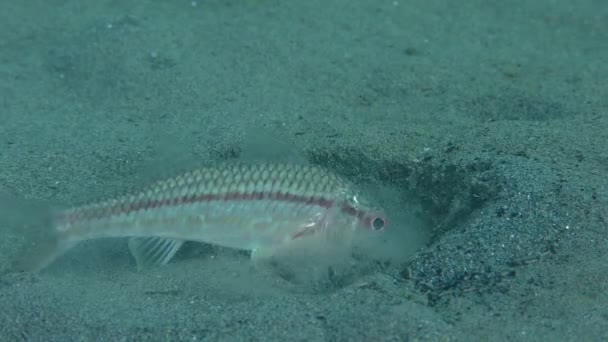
<point>40,254</point>
<point>33,222</point>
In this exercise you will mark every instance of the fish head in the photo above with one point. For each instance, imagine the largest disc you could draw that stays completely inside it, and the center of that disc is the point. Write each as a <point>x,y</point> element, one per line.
<point>375,220</point>
<point>367,216</point>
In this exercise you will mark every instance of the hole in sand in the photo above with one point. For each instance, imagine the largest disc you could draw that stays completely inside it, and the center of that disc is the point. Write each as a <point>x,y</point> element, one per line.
<point>423,200</point>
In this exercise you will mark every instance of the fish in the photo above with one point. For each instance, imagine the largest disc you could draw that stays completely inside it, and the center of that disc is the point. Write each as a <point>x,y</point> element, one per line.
<point>259,207</point>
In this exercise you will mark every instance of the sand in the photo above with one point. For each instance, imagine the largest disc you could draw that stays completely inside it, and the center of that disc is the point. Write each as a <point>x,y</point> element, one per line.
<point>480,128</point>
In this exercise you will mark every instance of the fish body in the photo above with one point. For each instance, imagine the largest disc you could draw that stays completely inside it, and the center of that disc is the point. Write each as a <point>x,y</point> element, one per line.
<point>257,207</point>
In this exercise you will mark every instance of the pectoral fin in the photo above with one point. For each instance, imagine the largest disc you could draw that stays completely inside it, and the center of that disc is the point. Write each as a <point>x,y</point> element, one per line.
<point>153,251</point>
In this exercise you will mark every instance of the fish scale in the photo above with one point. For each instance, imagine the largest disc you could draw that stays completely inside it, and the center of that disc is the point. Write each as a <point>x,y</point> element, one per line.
<point>258,207</point>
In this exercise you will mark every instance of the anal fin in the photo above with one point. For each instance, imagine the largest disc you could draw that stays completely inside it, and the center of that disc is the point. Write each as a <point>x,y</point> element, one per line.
<point>153,251</point>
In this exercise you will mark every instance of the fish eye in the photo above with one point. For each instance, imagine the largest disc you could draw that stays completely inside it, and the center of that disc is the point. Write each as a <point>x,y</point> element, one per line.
<point>378,223</point>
